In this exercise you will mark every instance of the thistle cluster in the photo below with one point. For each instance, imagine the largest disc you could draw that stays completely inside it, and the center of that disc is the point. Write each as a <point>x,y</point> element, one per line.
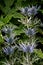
<point>9,40</point>
<point>27,48</point>
<point>30,31</point>
<point>30,11</point>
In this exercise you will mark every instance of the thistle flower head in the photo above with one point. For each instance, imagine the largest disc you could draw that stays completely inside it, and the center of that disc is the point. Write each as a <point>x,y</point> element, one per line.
<point>30,32</point>
<point>29,11</point>
<point>10,39</point>
<point>23,47</point>
<point>31,47</point>
<point>27,48</point>
<point>8,50</point>
<point>24,11</point>
<point>7,30</point>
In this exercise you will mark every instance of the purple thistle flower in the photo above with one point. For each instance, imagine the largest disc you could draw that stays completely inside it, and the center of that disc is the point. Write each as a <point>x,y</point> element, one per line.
<point>27,48</point>
<point>29,11</point>
<point>23,47</point>
<point>30,32</point>
<point>9,40</point>
<point>8,50</point>
<point>7,30</point>
<point>24,11</point>
<point>10,30</point>
<point>31,47</point>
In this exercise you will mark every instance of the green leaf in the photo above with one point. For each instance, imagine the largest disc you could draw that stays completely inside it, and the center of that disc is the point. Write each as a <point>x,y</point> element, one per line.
<point>8,2</point>
<point>18,15</point>
<point>1,39</point>
<point>7,18</point>
<point>19,31</point>
<point>41,39</point>
<point>1,24</point>
<point>41,11</point>
<point>39,53</point>
<point>18,3</point>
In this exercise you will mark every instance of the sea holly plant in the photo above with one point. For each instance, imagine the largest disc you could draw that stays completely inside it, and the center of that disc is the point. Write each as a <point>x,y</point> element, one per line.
<point>31,32</point>
<point>15,50</point>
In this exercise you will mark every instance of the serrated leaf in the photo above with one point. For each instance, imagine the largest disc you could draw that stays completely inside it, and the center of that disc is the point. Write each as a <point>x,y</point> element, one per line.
<point>7,18</point>
<point>18,15</point>
<point>18,32</point>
